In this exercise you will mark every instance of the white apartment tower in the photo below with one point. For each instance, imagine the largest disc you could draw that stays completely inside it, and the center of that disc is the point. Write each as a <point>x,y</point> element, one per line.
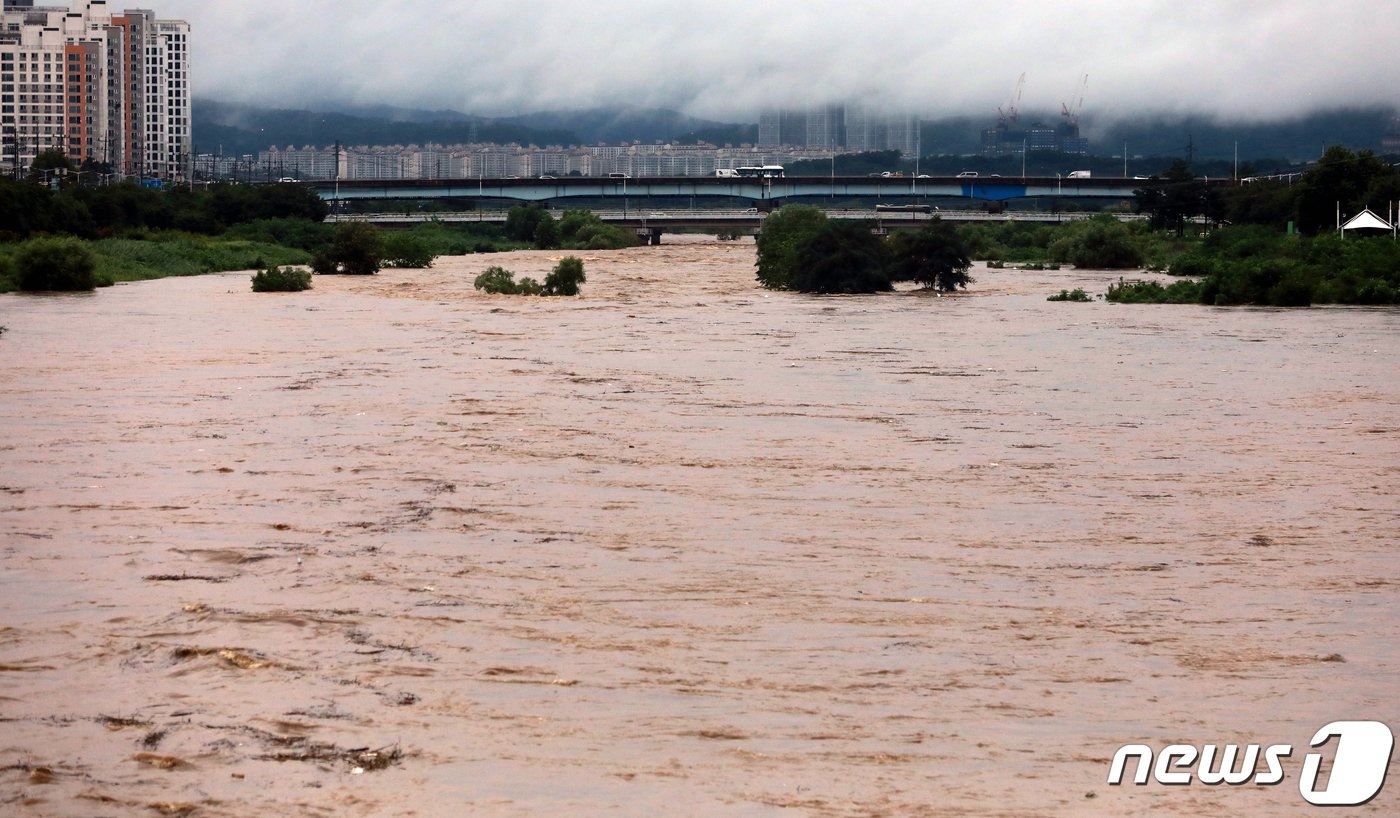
<point>96,85</point>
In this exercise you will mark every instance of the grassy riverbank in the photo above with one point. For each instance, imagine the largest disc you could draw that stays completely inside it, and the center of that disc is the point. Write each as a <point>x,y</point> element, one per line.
<point>143,255</point>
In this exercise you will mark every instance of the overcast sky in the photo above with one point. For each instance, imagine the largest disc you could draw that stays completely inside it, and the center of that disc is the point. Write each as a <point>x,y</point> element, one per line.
<point>726,59</point>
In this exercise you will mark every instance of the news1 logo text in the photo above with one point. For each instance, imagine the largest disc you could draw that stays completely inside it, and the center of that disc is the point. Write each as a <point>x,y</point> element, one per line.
<point>1357,773</point>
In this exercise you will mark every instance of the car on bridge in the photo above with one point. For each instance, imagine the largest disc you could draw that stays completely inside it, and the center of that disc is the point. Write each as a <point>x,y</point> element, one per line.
<point>967,174</point>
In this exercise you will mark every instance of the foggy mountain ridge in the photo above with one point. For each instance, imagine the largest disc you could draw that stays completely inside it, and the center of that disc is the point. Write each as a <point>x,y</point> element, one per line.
<point>726,60</point>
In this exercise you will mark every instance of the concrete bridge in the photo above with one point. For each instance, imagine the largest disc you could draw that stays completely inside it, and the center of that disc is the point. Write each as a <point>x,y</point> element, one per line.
<point>651,225</point>
<point>763,193</point>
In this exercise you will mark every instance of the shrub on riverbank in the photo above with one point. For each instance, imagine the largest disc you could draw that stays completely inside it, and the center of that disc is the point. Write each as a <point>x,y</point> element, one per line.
<point>1251,265</point>
<point>583,230</point>
<point>1030,242</point>
<point>284,280</point>
<point>575,230</point>
<point>1101,243</point>
<point>407,250</point>
<point>55,265</point>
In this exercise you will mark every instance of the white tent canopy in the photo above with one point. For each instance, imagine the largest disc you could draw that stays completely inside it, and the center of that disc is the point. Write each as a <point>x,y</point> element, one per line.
<point>1366,220</point>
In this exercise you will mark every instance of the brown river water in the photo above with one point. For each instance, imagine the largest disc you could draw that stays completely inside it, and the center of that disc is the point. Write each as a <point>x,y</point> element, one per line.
<point>681,547</point>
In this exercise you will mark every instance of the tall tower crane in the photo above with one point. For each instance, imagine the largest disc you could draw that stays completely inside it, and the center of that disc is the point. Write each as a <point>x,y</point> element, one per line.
<point>1007,115</point>
<point>1071,114</point>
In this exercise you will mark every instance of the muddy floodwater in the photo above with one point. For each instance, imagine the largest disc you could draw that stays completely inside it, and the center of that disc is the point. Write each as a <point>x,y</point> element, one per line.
<point>680,547</point>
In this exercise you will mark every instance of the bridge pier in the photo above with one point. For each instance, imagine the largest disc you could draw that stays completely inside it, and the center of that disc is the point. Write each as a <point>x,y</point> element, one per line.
<point>650,235</point>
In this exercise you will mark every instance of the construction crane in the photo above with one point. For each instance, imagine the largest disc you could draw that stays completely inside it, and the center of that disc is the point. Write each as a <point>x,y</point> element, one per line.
<point>1071,115</point>
<point>1008,114</point>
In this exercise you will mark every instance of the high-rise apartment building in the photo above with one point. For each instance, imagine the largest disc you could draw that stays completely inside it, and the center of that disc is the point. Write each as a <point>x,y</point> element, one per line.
<point>855,128</point>
<point>97,85</point>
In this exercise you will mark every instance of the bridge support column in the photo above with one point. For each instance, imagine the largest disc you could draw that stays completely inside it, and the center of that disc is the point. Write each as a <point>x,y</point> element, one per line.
<point>650,235</point>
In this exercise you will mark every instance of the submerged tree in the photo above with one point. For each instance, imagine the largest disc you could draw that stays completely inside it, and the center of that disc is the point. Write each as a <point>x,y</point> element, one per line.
<point>841,257</point>
<point>566,277</point>
<point>357,249</point>
<point>935,257</point>
<point>782,234</point>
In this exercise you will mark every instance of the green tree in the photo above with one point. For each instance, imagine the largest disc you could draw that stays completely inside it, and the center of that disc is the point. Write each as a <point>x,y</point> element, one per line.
<point>56,264</point>
<point>779,239</point>
<point>403,249</point>
<point>1346,181</point>
<point>50,160</point>
<point>1270,202</point>
<point>934,256</point>
<point>547,235</point>
<point>522,221</point>
<point>566,277</point>
<point>129,206</point>
<point>358,249</point>
<point>841,257</point>
<point>575,220</point>
<point>582,230</point>
<point>7,275</point>
<point>1104,243</point>
<point>1175,198</point>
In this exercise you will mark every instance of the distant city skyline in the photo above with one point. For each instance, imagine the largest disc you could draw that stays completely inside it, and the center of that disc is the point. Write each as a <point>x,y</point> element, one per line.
<point>727,60</point>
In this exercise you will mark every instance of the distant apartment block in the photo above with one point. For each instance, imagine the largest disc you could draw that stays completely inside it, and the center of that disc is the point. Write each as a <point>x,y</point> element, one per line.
<point>96,84</point>
<point>490,161</point>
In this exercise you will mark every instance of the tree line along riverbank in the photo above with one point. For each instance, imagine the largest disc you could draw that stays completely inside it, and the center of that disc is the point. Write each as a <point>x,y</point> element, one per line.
<point>1229,247</point>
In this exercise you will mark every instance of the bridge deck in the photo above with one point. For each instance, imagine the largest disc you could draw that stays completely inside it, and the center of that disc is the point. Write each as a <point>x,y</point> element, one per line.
<point>755,190</point>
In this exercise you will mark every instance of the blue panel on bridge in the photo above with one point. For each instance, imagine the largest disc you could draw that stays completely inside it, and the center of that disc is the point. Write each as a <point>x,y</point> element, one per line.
<point>994,192</point>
